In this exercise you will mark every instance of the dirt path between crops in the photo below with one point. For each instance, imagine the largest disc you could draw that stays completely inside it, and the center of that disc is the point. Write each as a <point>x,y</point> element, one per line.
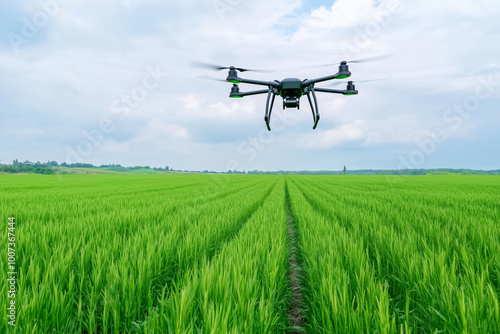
<point>295,314</point>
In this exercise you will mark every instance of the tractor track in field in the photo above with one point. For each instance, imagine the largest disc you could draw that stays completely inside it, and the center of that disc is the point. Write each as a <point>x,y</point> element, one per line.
<point>295,313</point>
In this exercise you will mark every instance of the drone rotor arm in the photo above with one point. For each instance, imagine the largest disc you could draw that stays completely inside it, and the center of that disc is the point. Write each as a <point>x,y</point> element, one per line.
<point>258,82</point>
<point>255,92</point>
<point>335,91</point>
<point>330,77</point>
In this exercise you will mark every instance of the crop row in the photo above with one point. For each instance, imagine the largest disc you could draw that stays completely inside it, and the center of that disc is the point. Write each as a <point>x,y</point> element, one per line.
<point>97,256</point>
<point>216,254</point>
<point>416,258</point>
<point>241,290</point>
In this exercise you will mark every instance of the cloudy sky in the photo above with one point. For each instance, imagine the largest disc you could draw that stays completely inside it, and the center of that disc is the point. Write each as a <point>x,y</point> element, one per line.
<point>110,82</point>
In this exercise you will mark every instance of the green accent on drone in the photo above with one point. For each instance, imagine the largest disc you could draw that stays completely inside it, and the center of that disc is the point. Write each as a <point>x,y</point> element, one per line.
<point>234,81</point>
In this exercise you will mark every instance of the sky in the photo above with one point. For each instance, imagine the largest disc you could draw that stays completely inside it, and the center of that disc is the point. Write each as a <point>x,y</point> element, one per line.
<point>110,82</point>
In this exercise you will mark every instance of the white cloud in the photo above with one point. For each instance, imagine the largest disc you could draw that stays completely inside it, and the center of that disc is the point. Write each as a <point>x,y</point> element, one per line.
<point>191,101</point>
<point>346,133</point>
<point>68,77</point>
<point>343,13</point>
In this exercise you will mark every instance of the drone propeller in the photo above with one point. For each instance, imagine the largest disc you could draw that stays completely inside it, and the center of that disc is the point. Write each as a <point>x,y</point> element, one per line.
<point>367,60</point>
<point>206,77</point>
<point>213,67</point>
<point>357,61</point>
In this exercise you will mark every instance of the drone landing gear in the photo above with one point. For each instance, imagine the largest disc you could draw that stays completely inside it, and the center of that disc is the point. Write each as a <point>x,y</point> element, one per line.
<point>269,108</point>
<point>314,109</point>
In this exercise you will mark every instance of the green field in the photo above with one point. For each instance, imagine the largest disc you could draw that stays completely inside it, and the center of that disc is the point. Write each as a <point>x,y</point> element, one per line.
<point>212,253</point>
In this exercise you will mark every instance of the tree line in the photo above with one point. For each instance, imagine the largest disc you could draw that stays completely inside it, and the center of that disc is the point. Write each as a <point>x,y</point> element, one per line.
<point>50,167</point>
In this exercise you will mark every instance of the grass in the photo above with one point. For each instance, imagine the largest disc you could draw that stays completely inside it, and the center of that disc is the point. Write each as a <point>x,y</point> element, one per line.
<point>211,253</point>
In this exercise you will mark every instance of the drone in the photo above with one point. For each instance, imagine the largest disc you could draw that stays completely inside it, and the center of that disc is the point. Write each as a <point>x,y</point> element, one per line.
<point>290,89</point>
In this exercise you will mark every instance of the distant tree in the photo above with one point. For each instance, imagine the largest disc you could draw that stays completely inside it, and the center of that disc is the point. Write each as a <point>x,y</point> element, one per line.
<point>27,167</point>
<point>344,171</point>
<point>111,165</point>
<point>80,165</point>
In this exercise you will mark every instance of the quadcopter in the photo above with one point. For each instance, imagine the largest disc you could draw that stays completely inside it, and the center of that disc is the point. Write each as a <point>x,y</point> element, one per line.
<point>290,89</point>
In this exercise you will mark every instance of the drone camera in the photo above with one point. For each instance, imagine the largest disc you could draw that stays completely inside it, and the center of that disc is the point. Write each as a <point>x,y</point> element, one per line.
<point>290,102</point>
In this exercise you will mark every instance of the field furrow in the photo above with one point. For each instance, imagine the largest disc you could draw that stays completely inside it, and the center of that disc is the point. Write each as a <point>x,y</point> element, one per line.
<point>342,293</point>
<point>296,312</point>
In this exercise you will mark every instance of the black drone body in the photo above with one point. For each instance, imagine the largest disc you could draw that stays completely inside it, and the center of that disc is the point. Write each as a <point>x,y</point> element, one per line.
<point>290,89</point>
